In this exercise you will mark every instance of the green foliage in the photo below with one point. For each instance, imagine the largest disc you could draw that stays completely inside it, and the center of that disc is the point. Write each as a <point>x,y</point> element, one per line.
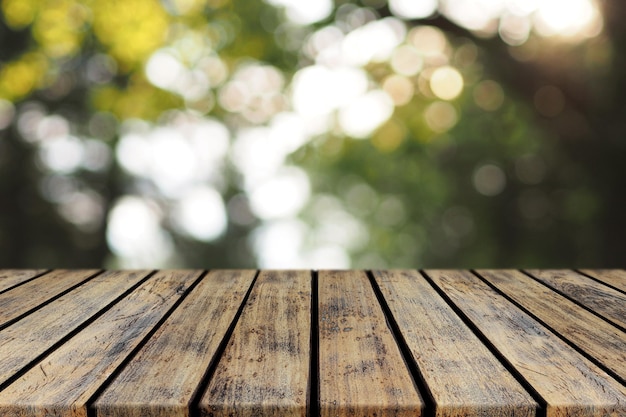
<point>475,178</point>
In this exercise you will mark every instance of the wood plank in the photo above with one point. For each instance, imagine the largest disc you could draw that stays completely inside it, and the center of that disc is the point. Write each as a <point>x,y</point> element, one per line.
<point>11,277</point>
<point>25,340</point>
<point>24,298</point>
<point>361,369</point>
<point>614,277</point>
<point>569,383</point>
<point>152,383</point>
<point>593,335</point>
<point>606,301</point>
<point>265,367</point>
<point>63,382</point>
<point>463,376</point>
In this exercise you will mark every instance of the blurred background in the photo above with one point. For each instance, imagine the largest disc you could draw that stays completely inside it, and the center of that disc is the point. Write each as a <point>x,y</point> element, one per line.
<point>324,134</point>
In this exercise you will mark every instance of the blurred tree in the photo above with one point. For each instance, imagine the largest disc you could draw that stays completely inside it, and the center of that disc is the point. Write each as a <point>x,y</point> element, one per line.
<point>147,133</point>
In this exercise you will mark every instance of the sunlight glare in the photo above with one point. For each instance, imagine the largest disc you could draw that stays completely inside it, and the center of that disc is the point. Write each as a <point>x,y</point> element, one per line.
<point>277,244</point>
<point>255,157</point>
<point>163,69</point>
<point>200,214</point>
<point>374,41</point>
<point>173,160</point>
<point>514,29</point>
<point>362,116</point>
<point>282,196</point>
<point>328,257</point>
<point>567,18</point>
<point>477,15</point>
<point>177,155</point>
<point>62,153</point>
<point>318,90</point>
<point>305,12</point>
<point>412,9</point>
<point>522,7</point>
<point>134,233</point>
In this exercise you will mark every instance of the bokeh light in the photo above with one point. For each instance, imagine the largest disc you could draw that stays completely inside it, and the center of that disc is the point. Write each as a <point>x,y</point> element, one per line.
<point>291,134</point>
<point>489,180</point>
<point>134,233</point>
<point>446,83</point>
<point>413,9</point>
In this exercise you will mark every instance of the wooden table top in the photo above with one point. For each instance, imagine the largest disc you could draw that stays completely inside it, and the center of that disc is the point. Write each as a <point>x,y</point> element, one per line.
<point>308,343</point>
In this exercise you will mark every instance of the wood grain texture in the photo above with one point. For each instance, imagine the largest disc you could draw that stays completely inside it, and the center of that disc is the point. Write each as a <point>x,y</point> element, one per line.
<point>569,383</point>
<point>361,369</point>
<point>265,367</point>
<point>24,298</point>
<point>614,277</point>
<point>604,300</point>
<point>162,379</point>
<point>25,340</point>
<point>12,277</point>
<point>463,376</point>
<point>593,335</point>
<point>63,382</point>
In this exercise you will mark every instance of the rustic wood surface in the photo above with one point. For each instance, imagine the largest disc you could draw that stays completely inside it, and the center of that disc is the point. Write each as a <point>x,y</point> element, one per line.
<point>463,376</point>
<point>226,343</point>
<point>614,277</point>
<point>587,331</point>
<point>171,365</point>
<point>559,374</point>
<point>265,367</point>
<point>12,277</point>
<point>63,382</point>
<point>361,369</point>
<point>30,337</point>
<point>599,298</point>
<point>26,297</point>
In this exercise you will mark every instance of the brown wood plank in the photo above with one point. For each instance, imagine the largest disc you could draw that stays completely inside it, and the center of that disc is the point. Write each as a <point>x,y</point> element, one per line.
<point>361,369</point>
<point>63,382</point>
<point>12,277</point>
<point>463,376</point>
<point>24,298</point>
<point>25,340</point>
<point>569,383</point>
<point>162,379</point>
<point>614,277</point>
<point>606,301</point>
<point>593,335</point>
<point>265,367</point>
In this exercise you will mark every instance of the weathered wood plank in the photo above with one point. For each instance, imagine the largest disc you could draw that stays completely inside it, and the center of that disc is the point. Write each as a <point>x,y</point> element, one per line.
<point>569,383</point>
<point>24,298</point>
<point>361,369</point>
<point>614,277</point>
<point>162,379</point>
<point>265,367</point>
<point>25,340</point>
<point>63,382</point>
<point>593,335</point>
<point>606,301</point>
<point>463,376</point>
<point>12,277</point>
